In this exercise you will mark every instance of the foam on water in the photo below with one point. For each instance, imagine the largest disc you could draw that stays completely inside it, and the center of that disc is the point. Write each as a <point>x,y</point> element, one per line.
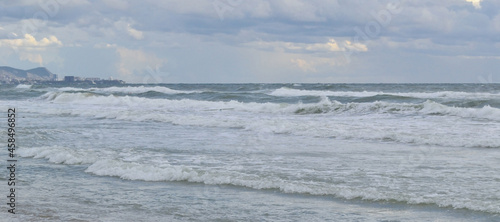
<point>381,189</point>
<point>324,106</point>
<point>383,150</point>
<point>56,154</point>
<point>284,91</point>
<point>142,89</point>
<point>23,86</point>
<point>378,121</point>
<point>127,90</point>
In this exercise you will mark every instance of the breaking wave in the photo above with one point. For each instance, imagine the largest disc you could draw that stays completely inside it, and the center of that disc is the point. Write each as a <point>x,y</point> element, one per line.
<point>288,92</point>
<point>374,121</point>
<point>127,90</point>
<point>325,106</point>
<point>23,86</point>
<point>127,170</point>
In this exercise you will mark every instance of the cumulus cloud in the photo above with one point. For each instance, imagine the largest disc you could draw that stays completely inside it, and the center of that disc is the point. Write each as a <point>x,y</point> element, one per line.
<point>29,48</point>
<point>30,42</point>
<point>475,3</point>
<point>303,35</point>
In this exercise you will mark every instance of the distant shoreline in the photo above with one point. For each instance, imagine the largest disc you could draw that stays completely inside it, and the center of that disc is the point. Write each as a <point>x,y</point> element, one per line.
<point>100,82</point>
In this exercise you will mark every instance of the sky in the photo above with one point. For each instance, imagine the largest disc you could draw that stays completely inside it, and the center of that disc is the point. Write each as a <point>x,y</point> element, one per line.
<point>256,41</point>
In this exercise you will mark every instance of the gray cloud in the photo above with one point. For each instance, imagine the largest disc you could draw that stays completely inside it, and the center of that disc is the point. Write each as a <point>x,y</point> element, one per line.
<point>424,31</point>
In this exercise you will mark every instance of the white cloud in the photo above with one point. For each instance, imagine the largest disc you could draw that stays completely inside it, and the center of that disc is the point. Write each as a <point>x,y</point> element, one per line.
<point>330,46</point>
<point>32,57</point>
<point>30,42</point>
<point>124,25</point>
<point>104,45</point>
<point>475,3</point>
<point>312,64</point>
<point>134,33</point>
<point>29,48</point>
<point>303,65</point>
<point>359,47</point>
<point>133,63</point>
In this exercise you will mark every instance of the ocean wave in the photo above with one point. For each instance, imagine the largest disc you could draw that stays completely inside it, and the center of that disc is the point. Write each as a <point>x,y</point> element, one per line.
<point>127,90</point>
<point>288,92</point>
<point>143,89</point>
<point>57,154</point>
<point>325,106</point>
<point>23,86</point>
<point>130,170</point>
<point>136,171</point>
<point>146,172</point>
<point>428,123</point>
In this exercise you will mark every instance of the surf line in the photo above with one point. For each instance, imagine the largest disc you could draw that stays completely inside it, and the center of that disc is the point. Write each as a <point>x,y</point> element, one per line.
<point>11,160</point>
<point>219,109</point>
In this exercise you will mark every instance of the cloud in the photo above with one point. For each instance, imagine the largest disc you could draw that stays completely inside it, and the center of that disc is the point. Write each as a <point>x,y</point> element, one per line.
<point>330,46</point>
<point>312,64</point>
<point>104,45</point>
<point>303,65</point>
<point>30,42</point>
<point>125,25</point>
<point>29,48</point>
<point>134,32</point>
<point>475,3</point>
<point>117,4</point>
<point>32,57</point>
<point>298,35</point>
<point>133,63</point>
<point>358,47</point>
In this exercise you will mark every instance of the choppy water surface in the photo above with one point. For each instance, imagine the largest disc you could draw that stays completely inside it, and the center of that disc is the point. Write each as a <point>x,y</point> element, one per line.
<point>355,152</point>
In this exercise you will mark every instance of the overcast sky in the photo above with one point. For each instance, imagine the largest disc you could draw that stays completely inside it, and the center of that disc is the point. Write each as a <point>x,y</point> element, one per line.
<point>237,41</point>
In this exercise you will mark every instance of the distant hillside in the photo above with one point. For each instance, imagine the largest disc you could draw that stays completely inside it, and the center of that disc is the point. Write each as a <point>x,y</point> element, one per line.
<point>13,75</point>
<point>41,71</point>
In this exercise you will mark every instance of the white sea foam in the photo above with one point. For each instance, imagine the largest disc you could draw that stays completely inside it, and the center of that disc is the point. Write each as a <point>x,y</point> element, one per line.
<point>57,154</point>
<point>379,121</point>
<point>324,106</point>
<point>23,86</point>
<point>142,89</point>
<point>145,172</point>
<point>423,153</point>
<point>379,190</point>
<point>127,90</point>
<point>288,92</point>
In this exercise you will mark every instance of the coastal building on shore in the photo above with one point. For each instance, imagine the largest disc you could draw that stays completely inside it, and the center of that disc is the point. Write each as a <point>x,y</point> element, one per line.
<point>41,75</point>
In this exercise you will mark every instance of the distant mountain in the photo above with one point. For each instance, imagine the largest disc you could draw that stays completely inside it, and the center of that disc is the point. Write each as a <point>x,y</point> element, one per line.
<point>41,71</point>
<point>13,75</point>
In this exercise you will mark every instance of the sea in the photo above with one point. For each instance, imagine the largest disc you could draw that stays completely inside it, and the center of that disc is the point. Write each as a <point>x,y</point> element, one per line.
<point>253,152</point>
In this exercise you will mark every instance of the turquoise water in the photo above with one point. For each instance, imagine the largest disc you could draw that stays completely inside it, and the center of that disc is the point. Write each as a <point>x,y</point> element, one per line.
<point>265,152</point>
